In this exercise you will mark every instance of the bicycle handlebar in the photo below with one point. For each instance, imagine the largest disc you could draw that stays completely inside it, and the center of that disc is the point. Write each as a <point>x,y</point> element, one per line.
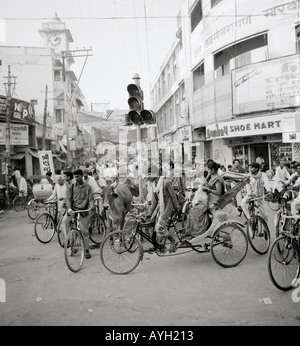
<point>79,211</point>
<point>258,198</point>
<point>139,204</point>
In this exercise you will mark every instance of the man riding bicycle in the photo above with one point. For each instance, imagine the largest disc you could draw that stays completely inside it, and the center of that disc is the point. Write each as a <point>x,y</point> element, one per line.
<point>256,188</point>
<point>79,197</point>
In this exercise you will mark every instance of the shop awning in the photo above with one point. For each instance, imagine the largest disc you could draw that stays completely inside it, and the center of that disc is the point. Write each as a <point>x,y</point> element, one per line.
<point>33,153</point>
<point>18,156</point>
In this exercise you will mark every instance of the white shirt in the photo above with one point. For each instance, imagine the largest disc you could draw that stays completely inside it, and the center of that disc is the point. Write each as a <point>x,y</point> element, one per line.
<point>60,191</point>
<point>23,187</point>
<point>265,180</point>
<point>281,174</point>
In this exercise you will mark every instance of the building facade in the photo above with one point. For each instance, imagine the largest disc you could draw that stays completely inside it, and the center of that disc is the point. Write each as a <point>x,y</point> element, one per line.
<point>239,70</point>
<point>36,69</point>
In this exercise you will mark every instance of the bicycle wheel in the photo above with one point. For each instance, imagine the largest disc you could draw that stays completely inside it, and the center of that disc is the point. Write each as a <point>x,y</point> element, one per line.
<point>60,234</point>
<point>44,228</point>
<point>274,206</point>
<point>33,209</point>
<point>74,250</point>
<point>97,228</point>
<point>186,210</point>
<point>283,263</point>
<point>19,203</point>
<point>117,255</point>
<point>258,234</point>
<point>229,245</point>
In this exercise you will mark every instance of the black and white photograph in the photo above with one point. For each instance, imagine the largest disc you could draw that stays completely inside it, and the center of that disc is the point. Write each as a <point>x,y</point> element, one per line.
<point>150,166</point>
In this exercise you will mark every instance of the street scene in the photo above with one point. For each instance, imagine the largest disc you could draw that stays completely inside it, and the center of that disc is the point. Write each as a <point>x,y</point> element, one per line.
<point>150,164</point>
<point>185,290</point>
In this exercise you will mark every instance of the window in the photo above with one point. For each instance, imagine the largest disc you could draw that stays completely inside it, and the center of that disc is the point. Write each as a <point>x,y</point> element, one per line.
<point>198,77</point>
<point>215,3</point>
<point>57,76</point>
<point>59,117</point>
<point>241,54</point>
<point>196,15</point>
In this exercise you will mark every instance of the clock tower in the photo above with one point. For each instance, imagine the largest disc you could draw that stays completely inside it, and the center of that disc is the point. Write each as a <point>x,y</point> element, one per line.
<point>55,35</point>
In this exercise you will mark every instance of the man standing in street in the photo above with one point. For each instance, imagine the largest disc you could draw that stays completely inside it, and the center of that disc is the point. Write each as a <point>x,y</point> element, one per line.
<point>79,197</point>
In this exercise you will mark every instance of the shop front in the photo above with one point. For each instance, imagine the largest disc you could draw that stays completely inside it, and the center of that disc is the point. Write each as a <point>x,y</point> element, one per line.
<point>247,138</point>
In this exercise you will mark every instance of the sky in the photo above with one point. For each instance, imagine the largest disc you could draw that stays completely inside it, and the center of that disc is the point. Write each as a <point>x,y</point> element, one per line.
<point>123,42</point>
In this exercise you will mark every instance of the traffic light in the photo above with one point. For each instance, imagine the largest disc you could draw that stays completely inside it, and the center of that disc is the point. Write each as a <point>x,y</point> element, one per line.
<point>137,115</point>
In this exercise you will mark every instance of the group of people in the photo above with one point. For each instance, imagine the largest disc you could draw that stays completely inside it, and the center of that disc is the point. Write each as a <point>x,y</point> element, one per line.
<point>166,193</point>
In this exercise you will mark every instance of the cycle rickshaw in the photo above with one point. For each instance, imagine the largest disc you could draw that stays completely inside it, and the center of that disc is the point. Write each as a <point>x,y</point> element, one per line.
<point>41,190</point>
<point>122,251</point>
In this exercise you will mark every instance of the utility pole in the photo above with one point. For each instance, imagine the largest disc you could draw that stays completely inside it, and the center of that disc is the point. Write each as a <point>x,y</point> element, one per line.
<point>45,119</point>
<point>67,54</point>
<point>7,143</point>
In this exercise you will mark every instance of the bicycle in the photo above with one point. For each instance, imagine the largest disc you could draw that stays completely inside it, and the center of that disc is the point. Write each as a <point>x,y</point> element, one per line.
<point>20,202</point>
<point>122,251</point>
<point>284,256</point>
<point>48,223</point>
<point>258,232</point>
<point>97,226</point>
<point>74,248</point>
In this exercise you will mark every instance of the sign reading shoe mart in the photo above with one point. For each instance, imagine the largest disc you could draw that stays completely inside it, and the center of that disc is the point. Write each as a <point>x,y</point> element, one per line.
<point>246,127</point>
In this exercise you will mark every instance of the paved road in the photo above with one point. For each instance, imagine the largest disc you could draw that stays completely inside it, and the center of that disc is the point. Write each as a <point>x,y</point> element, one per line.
<point>187,290</point>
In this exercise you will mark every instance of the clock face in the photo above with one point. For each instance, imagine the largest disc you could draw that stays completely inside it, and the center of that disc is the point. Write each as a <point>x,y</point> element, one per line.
<point>54,40</point>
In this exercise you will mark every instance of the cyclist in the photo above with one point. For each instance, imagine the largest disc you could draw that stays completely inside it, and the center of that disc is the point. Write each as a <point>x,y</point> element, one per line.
<point>163,201</point>
<point>281,176</point>
<point>23,188</point>
<point>256,188</point>
<point>59,193</point>
<point>79,197</point>
<point>292,186</point>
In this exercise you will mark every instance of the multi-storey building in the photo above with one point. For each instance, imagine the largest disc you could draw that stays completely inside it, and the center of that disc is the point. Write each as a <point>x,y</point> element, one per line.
<point>231,82</point>
<point>37,68</point>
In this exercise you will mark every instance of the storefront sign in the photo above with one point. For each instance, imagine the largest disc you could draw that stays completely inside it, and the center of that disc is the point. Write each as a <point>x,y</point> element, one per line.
<point>267,85</point>
<point>245,127</point>
<point>20,110</point>
<point>73,131</point>
<point>58,129</point>
<point>18,134</point>
<point>46,161</point>
<point>254,139</point>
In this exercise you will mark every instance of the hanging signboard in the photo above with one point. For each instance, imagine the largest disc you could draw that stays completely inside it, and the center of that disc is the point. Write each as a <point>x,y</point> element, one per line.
<point>18,134</point>
<point>46,162</point>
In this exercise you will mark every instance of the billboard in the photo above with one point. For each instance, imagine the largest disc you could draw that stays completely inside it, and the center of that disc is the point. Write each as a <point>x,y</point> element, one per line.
<point>267,85</point>
<point>20,110</point>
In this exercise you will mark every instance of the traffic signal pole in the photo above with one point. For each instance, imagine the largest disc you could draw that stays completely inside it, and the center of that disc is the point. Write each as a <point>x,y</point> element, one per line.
<point>136,78</point>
